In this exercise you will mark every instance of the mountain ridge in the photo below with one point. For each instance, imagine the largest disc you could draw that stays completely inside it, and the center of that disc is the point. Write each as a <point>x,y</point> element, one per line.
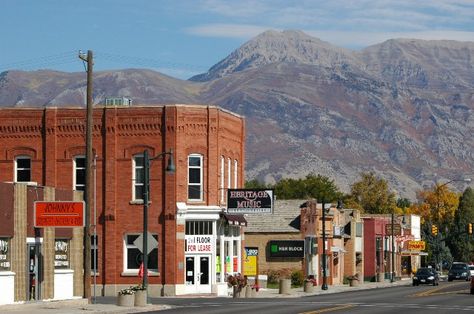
<point>402,108</point>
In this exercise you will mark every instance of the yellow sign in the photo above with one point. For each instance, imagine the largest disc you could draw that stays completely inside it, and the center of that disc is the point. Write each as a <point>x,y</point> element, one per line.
<point>250,261</point>
<point>416,245</point>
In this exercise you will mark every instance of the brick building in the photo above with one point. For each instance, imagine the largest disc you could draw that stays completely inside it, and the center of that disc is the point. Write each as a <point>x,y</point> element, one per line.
<point>196,241</point>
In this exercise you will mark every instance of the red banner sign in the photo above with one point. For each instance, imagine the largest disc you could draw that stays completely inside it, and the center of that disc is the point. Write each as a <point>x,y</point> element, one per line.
<point>59,214</point>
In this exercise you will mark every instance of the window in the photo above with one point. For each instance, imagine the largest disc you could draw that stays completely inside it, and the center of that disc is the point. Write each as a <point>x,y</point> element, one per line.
<point>94,253</point>
<point>138,177</point>
<point>229,171</point>
<point>133,257</point>
<point>79,174</point>
<point>236,164</point>
<point>198,227</point>
<point>23,169</point>
<point>222,179</point>
<point>195,177</point>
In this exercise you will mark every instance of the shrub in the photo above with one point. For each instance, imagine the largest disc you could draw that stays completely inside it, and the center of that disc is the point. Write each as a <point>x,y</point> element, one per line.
<point>297,278</point>
<point>273,276</point>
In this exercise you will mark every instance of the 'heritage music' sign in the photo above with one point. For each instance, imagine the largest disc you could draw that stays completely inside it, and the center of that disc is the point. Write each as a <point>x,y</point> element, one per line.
<point>250,201</point>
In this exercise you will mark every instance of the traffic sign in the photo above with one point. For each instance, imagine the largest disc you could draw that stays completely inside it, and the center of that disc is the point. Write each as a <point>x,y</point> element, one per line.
<point>151,243</point>
<point>61,214</point>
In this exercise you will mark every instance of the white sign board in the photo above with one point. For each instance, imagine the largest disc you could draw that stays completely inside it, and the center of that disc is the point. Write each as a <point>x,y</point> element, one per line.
<point>199,244</point>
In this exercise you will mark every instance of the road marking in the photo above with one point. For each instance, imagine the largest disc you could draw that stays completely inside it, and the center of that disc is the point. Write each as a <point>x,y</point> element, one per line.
<point>330,309</point>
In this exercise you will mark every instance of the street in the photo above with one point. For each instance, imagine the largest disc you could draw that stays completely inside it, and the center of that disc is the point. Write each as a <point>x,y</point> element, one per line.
<point>452,297</point>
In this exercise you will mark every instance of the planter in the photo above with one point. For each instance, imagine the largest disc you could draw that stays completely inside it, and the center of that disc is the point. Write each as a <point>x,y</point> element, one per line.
<point>253,293</point>
<point>248,291</point>
<point>236,291</point>
<point>308,287</point>
<point>285,286</point>
<point>140,298</point>
<point>380,277</point>
<point>353,282</point>
<point>125,300</point>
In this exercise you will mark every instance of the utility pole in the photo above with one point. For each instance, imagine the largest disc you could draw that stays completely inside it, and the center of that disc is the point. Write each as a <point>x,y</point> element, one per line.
<point>88,192</point>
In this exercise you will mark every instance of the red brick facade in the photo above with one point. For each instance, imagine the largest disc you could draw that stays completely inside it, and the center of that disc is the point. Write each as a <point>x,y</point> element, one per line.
<point>52,137</point>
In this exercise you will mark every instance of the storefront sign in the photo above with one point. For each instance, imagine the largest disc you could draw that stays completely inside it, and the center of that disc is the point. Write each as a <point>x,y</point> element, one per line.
<point>250,261</point>
<point>290,248</point>
<point>199,244</point>
<point>244,201</point>
<point>4,255</point>
<point>61,254</point>
<point>59,214</point>
<point>397,229</point>
<point>416,245</point>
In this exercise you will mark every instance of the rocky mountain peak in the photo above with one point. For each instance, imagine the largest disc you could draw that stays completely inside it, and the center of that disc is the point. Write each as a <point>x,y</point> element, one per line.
<point>272,47</point>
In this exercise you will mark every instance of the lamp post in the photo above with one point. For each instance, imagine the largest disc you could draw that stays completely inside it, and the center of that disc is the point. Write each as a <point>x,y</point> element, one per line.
<point>146,191</point>
<point>437,191</point>
<point>325,284</point>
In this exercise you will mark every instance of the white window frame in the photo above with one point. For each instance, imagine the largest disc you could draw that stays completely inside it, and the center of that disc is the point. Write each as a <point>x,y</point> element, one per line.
<point>200,185</point>
<point>126,247</point>
<point>75,168</point>
<point>222,180</point>
<point>134,182</point>
<point>17,169</point>
<point>236,173</point>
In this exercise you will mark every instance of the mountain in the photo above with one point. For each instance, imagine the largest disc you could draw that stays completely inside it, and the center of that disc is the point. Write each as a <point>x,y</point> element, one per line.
<point>402,108</point>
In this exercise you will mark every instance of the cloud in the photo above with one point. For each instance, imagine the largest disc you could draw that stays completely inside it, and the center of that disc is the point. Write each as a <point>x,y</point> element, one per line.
<point>227,30</point>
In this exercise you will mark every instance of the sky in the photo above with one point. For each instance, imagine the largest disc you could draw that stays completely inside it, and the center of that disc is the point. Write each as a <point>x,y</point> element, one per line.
<point>182,38</point>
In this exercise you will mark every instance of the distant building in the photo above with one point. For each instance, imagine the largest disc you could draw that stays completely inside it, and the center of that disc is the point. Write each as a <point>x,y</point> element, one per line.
<point>117,101</point>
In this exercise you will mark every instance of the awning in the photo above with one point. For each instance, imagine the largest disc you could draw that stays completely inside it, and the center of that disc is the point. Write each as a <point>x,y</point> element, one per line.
<point>236,220</point>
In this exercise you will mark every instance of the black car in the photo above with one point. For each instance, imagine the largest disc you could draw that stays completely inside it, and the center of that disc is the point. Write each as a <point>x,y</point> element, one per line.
<point>459,271</point>
<point>425,275</point>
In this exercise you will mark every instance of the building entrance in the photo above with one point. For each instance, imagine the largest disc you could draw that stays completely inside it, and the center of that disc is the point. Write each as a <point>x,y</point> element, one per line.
<point>198,270</point>
<point>34,271</point>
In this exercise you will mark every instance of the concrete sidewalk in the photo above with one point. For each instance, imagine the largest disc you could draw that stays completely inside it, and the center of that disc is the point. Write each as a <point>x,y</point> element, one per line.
<point>77,306</point>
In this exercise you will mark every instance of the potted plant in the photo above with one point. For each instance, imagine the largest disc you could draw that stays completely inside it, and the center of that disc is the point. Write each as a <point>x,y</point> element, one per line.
<point>309,284</point>
<point>140,295</point>
<point>353,280</point>
<point>237,282</point>
<point>126,297</point>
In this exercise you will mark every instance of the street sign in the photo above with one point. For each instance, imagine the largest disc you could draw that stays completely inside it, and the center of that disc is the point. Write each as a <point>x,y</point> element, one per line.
<point>60,214</point>
<point>151,243</point>
<point>416,245</point>
<point>397,229</point>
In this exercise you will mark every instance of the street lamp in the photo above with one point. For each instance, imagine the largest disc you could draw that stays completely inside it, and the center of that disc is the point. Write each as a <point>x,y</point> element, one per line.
<point>146,191</point>
<point>325,284</point>
<point>437,191</point>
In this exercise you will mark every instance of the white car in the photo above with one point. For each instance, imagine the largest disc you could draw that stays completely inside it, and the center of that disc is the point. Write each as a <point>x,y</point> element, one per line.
<point>471,269</point>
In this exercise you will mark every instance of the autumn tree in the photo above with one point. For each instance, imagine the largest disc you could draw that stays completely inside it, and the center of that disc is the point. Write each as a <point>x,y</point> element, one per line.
<point>437,205</point>
<point>371,195</point>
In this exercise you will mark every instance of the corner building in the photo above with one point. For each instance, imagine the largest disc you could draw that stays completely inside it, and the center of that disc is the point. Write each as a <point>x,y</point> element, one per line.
<point>197,243</point>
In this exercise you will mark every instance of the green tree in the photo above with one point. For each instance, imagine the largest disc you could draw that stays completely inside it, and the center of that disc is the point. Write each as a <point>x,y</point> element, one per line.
<point>255,184</point>
<point>371,195</point>
<point>312,186</point>
<point>458,239</point>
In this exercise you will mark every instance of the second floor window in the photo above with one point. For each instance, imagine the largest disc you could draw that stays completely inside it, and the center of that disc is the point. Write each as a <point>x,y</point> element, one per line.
<point>138,177</point>
<point>195,177</point>
<point>23,169</point>
<point>80,173</point>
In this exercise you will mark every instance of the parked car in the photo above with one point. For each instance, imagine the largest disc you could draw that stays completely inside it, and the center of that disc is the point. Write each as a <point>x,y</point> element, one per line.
<point>471,269</point>
<point>459,271</point>
<point>426,275</point>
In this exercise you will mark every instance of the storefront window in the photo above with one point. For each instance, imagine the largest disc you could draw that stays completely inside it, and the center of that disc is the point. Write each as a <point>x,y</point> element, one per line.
<point>5,256</point>
<point>61,254</point>
<point>133,257</point>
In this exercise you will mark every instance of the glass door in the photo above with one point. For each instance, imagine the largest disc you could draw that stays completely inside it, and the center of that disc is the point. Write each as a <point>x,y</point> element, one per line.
<point>34,271</point>
<point>198,270</point>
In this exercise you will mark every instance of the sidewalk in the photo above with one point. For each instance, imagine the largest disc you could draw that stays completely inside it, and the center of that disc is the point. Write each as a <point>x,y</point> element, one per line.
<point>77,306</point>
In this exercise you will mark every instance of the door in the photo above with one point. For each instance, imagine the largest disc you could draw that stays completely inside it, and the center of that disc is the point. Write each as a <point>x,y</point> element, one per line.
<point>198,270</point>
<point>34,271</point>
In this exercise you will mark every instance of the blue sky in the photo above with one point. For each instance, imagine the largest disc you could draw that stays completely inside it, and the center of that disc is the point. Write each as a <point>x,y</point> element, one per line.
<point>184,38</point>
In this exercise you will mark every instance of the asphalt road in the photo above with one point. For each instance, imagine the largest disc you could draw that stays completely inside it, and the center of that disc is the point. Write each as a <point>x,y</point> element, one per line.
<point>448,297</point>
